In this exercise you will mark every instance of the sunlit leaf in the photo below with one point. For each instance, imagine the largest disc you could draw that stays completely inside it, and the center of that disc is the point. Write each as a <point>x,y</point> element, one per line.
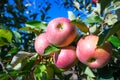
<point>36,25</point>
<point>80,25</point>
<point>6,34</point>
<point>111,19</point>
<point>40,72</point>
<point>77,4</point>
<point>18,58</point>
<point>92,29</point>
<point>30,30</point>
<point>17,36</point>
<point>50,49</point>
<point>114,6</point>
<point>93,19</point>
<point>71,15</point>
<point>89,72</point>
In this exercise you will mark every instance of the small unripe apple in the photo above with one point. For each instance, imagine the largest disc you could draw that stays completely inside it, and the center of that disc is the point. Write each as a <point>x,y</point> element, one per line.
<point>61,32</point>
<point>41,43</point>
<point>92,55</point>
<point>65,58</point>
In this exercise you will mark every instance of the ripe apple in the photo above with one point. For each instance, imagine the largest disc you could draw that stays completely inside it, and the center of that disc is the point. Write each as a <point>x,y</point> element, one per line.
<point>92,55</point>
<point>41,43</point>
<point>65,58</point>
<point>61,32</point>
<point>95,1</point>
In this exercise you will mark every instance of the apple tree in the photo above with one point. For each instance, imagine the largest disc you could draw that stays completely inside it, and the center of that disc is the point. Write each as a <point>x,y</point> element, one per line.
<point>84,46</point>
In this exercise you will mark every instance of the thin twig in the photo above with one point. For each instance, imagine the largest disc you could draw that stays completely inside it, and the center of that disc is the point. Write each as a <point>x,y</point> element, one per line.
<point>5,70</point>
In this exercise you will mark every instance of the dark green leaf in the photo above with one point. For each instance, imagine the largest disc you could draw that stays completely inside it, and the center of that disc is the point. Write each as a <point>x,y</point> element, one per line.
<point>13,51</point>
<point>115,41</point>
<point>93,19</point>
<point>104,4</point>
<point>80,25</point>
<point>50,49</point>
<point>105,74</point>
<point>111,78</point>
<point>50,73</point>
<point>113,30</point>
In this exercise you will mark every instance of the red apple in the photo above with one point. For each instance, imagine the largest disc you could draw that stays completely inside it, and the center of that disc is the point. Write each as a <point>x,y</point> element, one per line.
<point>90,54</point>
<point>41,43</point>
<point>95,1</point>
<point>66,58</point>
<point>61,32</point>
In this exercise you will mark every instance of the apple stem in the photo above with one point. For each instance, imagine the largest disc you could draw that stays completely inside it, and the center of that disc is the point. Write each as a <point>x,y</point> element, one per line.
<point>60,26</point>
<point>91,59</point>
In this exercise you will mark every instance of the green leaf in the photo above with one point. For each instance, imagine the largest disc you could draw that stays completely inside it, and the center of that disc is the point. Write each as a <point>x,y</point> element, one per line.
<point>17,36</point>
<point>113,30</point>
<point>50,49</point>
<point>90,78</point>
<point>111,19</point>
<point>111,78</point>
<point>76,4</point>
<point>19,57</point>
<point>5,37</point>
<point>114,6</point>
<point>80,25</point>
<point>105,74</point>
<point>30,30</point>
<point>104,4</point>
<point>115,41</point>
<point>93,19</point>
<point>71,15</point>
<point>13,51</point>
<point>40,72</point>
<point>36,24</point>
<point>89,72</point>
<point>50,73</point>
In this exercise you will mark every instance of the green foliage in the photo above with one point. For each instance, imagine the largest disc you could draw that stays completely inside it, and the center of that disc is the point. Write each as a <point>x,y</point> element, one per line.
<point>5,37</point>
<point>34,26</point>
<point>18,59</point>
<point>80,25</point>
<point>50,49</point>
<point>115,41</point>
<point>93,19</point>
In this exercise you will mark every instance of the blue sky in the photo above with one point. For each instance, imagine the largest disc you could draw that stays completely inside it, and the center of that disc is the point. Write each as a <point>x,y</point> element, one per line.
<point>54,12</point>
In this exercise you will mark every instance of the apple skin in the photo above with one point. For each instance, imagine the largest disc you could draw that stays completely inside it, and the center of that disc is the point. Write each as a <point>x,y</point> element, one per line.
<point>90,54</point>
<point>65,58</point>
<point>41,43</point>
<point>61,32</point>
<point>95,1</point>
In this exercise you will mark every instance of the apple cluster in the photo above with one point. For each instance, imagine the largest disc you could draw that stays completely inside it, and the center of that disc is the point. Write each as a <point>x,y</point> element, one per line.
<point>61,33</point>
